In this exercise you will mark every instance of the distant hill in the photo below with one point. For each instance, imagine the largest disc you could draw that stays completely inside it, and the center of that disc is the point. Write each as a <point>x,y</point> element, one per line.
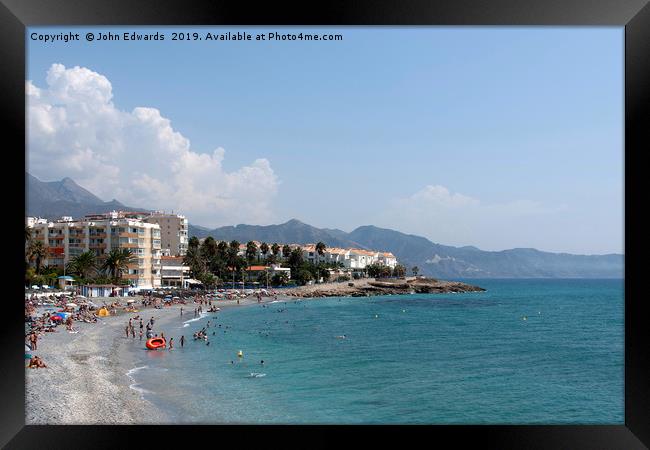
<point>469,262</point>
<point>53,199</point>
<point>435,260</point>
<point>66,198</point>
<point>293,231</point>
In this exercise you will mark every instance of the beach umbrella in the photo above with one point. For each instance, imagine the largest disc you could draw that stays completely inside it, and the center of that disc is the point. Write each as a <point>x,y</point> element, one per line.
<point>72,305</point>
<point>56,318</point>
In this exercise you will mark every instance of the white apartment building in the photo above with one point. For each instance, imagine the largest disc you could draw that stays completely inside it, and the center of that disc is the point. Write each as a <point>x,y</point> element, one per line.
<point>353,258</point>
<point>66,238</point>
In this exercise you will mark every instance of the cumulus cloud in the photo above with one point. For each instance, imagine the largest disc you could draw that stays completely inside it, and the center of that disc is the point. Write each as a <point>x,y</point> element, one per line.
<point>75,130</point>
<point>457,219</point>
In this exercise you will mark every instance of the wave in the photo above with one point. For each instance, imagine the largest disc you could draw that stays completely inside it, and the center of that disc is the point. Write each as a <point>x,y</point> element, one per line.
<point>256,375</point>
<point>136,386</point>
<point>201,316</point>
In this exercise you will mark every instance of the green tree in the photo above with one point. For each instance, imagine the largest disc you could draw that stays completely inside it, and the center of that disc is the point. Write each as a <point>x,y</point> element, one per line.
<point>222,250</point>
<point>303,276</point>
<point>193,243</point>
<point>272,259</point>
<point>83,264</point>
<point>295,259</point>
<point>208,248</point>
<point>251,251</point>
<point>117,262</point>
<point>264,249</point>
<point>399,271</point>
<point>28,234</point>
<point>279,279</point>
<point>320,250</point>
<point>374,270</point>
<point>30,273</point>
<point>195,261</point>
<point>275,249</point>
<point>36,252</point>
<point>415,270</point>
<point>233,259</point>
<point>286,251</point>
<point>208,280</point>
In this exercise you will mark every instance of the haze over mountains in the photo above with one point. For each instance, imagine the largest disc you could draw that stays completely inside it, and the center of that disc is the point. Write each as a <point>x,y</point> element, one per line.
<point>66,198</point>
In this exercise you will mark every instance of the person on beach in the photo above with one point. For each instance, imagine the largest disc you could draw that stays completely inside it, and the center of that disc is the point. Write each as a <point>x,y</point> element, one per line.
<point>126,330</point>
<point>181,310</point>
<point>151,321</point>
<point>182,341</point>
<point>140,333</point>
<point>36,363</point>
<point>133,332</point>
<point>141,325</point>
<point>33,339</point>
<point>171,343</point>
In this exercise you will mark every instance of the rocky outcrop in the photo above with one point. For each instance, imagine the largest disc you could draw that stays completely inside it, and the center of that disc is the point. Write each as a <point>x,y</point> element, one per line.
<point>365,288</point>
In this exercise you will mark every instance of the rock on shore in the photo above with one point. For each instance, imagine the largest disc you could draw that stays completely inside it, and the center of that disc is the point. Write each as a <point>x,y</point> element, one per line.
<point>371,286</point>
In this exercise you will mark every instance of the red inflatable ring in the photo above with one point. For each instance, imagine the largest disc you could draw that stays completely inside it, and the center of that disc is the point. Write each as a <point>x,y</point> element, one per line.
<point>154,343</point>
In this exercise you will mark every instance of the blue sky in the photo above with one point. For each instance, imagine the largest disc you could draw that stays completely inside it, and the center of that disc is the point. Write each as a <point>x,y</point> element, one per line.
<point>487,136</point>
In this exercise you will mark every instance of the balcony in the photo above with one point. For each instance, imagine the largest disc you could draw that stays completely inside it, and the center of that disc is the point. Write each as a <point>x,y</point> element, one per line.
<point>129,245</point>
<point>128,235</point>
<point>97,235</point>
<point>97,245</point>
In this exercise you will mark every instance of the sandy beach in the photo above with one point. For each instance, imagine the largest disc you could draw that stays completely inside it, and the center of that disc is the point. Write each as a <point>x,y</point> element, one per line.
<point>87,376</point>
<point>87,379</point>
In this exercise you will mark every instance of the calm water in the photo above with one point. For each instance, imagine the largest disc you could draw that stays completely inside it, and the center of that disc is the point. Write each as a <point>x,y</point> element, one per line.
<point>438,359</point>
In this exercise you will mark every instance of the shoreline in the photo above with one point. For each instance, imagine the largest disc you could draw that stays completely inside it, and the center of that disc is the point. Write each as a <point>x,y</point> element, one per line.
<point>89,375</point>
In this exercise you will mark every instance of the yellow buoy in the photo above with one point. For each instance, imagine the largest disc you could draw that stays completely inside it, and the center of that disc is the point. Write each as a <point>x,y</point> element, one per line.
<point>240,354</point>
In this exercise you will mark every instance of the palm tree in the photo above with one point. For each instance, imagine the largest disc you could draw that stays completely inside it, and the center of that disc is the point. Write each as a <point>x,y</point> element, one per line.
<point>28,234</point>
<point>118,261</point>
<point>233,250</point>
<point>222,250</point>
<point>209,248</point>
<point>275,249</point>
<point>36,252</point>
<point>193,259</point>
<point>320,249</point>
<point>193,242</point>
<point>415,270</point>
<point>251,251</point>
<point>264,248</point>
<point>83,264</point>
<point>286,251</point>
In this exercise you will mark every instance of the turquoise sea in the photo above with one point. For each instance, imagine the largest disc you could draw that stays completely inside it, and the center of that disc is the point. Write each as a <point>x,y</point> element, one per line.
<point>416,359</point>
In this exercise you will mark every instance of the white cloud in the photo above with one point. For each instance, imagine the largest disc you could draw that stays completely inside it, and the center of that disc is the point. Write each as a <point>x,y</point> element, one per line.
<point>75,130</point>
<point>457,219</point>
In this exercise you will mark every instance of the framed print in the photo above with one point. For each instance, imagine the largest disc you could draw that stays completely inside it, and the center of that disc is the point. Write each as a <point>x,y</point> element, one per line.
<point>397,220</point>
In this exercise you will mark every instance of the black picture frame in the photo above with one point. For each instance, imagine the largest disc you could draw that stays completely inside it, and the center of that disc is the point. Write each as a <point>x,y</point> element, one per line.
<point>634,15</point>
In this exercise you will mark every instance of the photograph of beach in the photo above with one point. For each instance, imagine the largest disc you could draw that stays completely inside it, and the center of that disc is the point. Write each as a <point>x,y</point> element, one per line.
<point>324,225</point>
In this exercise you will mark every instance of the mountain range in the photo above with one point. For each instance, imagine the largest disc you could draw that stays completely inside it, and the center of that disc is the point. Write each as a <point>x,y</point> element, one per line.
<point>58,198</point>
